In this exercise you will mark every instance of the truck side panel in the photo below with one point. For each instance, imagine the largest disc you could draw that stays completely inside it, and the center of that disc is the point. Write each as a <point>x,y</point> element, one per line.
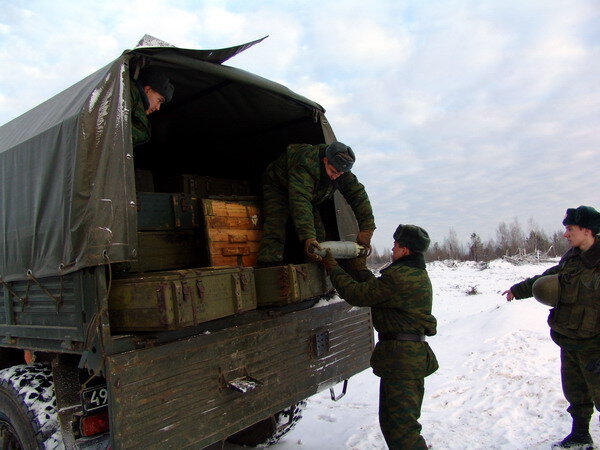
<point>45,314</point>
<point>176,396</point>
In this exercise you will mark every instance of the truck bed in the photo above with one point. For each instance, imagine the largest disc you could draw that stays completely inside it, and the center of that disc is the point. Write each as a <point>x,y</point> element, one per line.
<point>176,395</point>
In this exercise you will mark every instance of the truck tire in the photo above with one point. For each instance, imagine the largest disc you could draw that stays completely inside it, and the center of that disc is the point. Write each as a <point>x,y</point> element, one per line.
<point>28,416</point>
<point>271,430</point>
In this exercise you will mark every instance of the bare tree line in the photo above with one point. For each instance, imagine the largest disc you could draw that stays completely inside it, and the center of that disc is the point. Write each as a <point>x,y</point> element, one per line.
<point>510,241</point>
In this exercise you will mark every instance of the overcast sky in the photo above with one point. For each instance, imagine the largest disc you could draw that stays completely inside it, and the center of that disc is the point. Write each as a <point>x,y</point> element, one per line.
<point>462,113</point>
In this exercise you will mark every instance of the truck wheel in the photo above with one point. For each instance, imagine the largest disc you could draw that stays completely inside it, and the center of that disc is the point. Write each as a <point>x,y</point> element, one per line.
<point>28,417</point>
<point>269,431</point>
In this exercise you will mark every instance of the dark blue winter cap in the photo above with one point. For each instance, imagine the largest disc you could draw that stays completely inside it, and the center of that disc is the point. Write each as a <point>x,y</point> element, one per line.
<point>158,81</point>
<point>340,156</point>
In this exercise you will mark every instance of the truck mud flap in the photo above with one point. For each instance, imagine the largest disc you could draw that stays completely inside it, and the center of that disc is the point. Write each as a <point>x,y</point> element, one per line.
<point>179,395</point>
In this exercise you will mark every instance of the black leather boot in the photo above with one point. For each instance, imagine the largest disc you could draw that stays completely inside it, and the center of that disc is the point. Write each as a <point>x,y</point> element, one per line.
<point>580,438</point>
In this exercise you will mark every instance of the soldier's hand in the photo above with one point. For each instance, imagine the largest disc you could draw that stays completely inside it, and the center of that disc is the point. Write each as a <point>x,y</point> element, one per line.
<point>509,295</point>
<point>594,366</point>
<point>329,261</point>
<point>357,268</point>
<point>364,238</point>
<point>309,246</point>
<point>359,263</point>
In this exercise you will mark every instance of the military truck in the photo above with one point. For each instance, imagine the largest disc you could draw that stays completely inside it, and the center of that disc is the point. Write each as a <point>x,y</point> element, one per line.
<point>133,314</point>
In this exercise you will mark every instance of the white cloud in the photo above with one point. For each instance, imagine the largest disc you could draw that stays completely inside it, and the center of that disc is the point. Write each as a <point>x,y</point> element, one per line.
<point>463,113</point>
<point>357,44</point>
<point>324,92</point>
<point>282,56</point>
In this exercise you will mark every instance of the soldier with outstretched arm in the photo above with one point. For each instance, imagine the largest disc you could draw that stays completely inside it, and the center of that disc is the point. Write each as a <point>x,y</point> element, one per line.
<point>573,289</point>
<point>400,301</point>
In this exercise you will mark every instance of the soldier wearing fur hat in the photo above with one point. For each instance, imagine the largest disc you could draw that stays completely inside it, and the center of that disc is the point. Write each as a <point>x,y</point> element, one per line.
<point>400,300</point>
<point>296,183</point>
<point>574,319</point>
<point>151,89</point>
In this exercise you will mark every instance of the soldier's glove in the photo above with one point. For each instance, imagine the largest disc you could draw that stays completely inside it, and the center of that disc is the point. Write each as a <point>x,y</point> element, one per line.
<point>329,261</point>
<point>594,366</point>
<point>310,245</point>
<point>357,268</point>
<point>364,238</point>
<point>359,263</point>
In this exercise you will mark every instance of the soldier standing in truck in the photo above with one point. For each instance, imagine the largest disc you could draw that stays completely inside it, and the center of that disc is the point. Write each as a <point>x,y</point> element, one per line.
<point>151,89</point>
<point>400,301</point>
<point>296,183</point>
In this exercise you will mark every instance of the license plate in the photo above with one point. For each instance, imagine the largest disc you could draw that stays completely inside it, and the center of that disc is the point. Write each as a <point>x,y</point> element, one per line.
<point>94,398</point>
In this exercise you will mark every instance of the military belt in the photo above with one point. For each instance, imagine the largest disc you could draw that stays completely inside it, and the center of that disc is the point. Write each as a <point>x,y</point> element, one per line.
<point>401,337</point>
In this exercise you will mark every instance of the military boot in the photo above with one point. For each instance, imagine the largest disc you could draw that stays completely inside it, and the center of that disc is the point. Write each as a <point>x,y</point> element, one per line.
<point>580,438</point>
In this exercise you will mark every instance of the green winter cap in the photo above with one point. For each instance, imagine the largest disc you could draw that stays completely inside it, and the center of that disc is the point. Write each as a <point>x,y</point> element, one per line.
<point>584,217</point>
<point>340,156</point>
<point>414,237</point>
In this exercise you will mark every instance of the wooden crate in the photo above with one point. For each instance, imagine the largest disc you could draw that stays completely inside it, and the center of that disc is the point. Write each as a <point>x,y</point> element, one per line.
<point>166,250</point>
<point>144,180</point>
<point>233,231</point>
<point>180,298</point>
<point>203,186</point>
<point>292,283</point>
<point>162,211</point>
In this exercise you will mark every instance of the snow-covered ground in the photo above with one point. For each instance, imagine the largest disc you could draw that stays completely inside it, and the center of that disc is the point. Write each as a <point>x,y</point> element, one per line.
<point>498,386</point>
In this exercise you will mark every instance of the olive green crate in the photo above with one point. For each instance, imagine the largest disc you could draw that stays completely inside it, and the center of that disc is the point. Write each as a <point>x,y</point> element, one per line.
<point>281,285</point>
<point>177,299</point>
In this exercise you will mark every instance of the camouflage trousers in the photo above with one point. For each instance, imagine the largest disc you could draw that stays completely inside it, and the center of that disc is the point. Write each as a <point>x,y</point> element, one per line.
<point>277,213</point>
<point>580,386</point>
<point>400,403</point>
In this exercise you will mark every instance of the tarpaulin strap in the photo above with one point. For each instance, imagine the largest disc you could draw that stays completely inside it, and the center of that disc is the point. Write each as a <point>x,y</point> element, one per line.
<point>58,301</point>
<point>140,63</point>
<point>7,286</point>
<point>94,326</point>
<point>26,297</point>
<point>301,271</point>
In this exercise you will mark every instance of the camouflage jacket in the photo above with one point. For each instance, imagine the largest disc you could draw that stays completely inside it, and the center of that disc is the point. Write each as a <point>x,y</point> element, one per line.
<point>400,300</point>
<point>140,125</point>
<point>575,321</point>
<point>300,173</point>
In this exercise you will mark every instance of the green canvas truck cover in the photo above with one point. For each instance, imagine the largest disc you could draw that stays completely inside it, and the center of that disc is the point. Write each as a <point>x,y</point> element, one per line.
<point>67,184</point>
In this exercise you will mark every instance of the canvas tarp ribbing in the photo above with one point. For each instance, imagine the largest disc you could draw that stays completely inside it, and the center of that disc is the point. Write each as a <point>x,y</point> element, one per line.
<point>67,184</point>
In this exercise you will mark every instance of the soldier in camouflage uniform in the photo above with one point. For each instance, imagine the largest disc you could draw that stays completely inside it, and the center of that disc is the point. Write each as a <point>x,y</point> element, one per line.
<point>575,319</point>
<point>296,183</point>
<point>148,93</point>
<point>400,301</point>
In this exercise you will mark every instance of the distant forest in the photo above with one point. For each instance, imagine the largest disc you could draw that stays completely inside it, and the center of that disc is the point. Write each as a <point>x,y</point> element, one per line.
<point>510,241</point>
